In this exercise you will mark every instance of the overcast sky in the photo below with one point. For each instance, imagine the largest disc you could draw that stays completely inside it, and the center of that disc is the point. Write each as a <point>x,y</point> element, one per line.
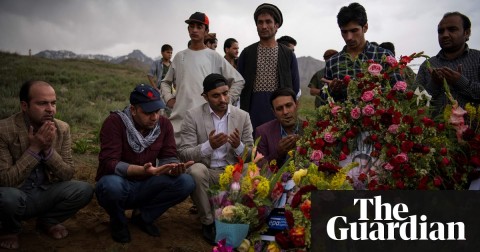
<point>116,27</point>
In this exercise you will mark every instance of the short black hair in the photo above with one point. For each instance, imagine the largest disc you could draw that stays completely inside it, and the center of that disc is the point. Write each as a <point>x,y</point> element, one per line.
<point>287,40</point>
<point>25,90</point>
<point>167,47</point>
<point>466,21</point>
<point>282,92</point>
<point>353,12</point>
<point>228,43</point>
<point>389,46</point>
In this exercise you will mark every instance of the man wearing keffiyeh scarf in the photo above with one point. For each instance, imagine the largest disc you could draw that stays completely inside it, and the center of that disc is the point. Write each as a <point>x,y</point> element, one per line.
<point>138,165</point>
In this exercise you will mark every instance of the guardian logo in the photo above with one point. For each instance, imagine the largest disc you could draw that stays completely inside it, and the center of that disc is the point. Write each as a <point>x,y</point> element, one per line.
<point>391,223</point>
<point>395,221</point>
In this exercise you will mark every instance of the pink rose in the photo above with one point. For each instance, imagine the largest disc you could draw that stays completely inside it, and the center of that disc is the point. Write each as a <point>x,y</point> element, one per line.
<point>375,69</point>
<point>336,109</point>
<point>393,129</point>
<point>391,61</point>
<point>317,155</point>
<point>401,158</point>
<point>367,96</point>
<point>388,167</point>
<point>355,113</point>
<point>368,110</point>
<point>329,138</point>
<point>400,86</point>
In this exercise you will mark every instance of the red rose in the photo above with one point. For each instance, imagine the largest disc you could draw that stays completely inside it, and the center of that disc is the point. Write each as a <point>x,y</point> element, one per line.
<point>437,181</point>
<point>360,75</point>
<point>441,126</point>
<point>362,177</point>
<point>402,136</point>
<point>305,124</point>
<point>345,149</point>
<point>342,156</point>
<point>282,240</point>
<point>416,130</point>
<point>289,218</point>
<point>297,236</point>
<point>374,137</point>
<point>443,151</point>
<point>428,122</point>
<point>445,161</point>
<point>425,150</point>
<point>409,95</point>
<point>344,139</point>
<point>406,146</point>
<point>314,133</point>
<point>407,119</point>
<point>378,146</point>
<point>400,184</point>
<point>346,79</point>
<point>475,161</point>
<point>350,134</point>
<point>302,151</point>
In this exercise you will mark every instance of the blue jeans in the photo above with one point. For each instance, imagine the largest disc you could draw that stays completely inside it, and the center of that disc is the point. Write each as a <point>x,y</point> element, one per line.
<point>52,204</point>
<point>152,196</point>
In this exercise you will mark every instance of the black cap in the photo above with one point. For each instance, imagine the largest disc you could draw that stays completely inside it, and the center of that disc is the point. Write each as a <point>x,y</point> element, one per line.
<point>147,97</point>
<point>198,17</point>
<point>277,14</point>
<point>213,81</point>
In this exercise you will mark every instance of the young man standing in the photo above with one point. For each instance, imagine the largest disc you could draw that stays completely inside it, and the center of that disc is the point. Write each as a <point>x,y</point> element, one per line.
<point>352,20</point>
<point>160,67</point>
<point>230,47</point>
<point>188,70</point>
<point>266,66</point>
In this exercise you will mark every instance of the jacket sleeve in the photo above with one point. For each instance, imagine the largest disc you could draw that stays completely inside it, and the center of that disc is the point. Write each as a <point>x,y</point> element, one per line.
<point>13,172</point>
<point>295,74</point>
<point>190,148</point>
<point>60,161</point>
<point>110,144</point>
<point>235,80</point>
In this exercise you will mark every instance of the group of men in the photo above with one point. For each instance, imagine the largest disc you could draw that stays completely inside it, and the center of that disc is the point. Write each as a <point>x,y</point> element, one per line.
<point>149,163</point>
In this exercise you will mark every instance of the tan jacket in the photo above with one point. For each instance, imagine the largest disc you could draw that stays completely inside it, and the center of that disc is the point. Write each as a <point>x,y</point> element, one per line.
<point>198,123</point>
<point>16,164</point>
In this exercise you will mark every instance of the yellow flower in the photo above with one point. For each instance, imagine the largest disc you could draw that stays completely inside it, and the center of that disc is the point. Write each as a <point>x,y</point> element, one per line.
<point>298,175</point>
<point>228,212</point>
<point>273,247</point>
<point>245,246</point>
<point>290,153</point>
<point>263,187</point>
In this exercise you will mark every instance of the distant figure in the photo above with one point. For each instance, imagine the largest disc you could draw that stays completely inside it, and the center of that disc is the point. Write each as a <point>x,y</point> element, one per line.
<point>316,83</point>
<point>407,73</point>
<point>266,66</point>
<point>288,41</point>
<point>160,67</point>
<point>230,47</point>
<point>29,52</point>
<point>128,174</point>
<point>188,70</point>
<point>214,135</point>
<point>456,63</point>
<point>36,168</point>
<point>211,41</point>
<point>353,23</point>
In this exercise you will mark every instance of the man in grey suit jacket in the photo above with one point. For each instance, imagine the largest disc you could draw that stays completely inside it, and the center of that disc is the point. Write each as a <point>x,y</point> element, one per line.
<point>213,135</point>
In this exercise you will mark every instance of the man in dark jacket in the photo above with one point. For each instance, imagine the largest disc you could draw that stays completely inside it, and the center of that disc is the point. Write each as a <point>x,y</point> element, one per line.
<point>266,66</point>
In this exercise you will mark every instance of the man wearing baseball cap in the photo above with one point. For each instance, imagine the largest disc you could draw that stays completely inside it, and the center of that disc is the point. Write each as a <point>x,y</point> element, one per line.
<point>266,66</point>
<point>213,135</point>
<point>128,175</point>
<point>190,67</point>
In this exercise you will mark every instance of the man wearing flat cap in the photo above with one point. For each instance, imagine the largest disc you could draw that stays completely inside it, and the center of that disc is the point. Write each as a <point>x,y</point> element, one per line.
<point>266,66</point>
<point>213,135</point>
<point>128,176</point>
<point>188,69</point>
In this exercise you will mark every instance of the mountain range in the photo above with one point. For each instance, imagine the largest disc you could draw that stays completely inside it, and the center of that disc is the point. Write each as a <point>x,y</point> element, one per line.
<point>307,65</point>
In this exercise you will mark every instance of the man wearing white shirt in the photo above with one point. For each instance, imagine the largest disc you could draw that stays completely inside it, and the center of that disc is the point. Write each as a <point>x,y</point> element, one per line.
<point>213,135</point>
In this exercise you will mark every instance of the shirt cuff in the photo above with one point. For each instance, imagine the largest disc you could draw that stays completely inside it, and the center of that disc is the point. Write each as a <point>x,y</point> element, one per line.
<point>49,155</point>
<point>170,160</point>
<point>239,149</point>
<point>35,155</point>
<point>121,169</point>
<point>206,149</point>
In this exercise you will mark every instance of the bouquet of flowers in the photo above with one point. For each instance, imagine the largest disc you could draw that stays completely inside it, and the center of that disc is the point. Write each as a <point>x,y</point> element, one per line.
<point>387,129</point>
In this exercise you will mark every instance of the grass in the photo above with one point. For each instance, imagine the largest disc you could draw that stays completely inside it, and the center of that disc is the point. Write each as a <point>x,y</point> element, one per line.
<point>86,91</point>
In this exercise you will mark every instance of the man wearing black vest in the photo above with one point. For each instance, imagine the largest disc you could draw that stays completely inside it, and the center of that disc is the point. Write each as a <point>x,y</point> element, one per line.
<point>266,66</point>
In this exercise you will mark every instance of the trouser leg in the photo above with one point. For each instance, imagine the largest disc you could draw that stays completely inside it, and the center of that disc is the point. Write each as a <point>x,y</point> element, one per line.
<point>12,209</point>
<point>112,193</point>
<point>203,177</point>
<point>157,194</point>
<point>61,201</point>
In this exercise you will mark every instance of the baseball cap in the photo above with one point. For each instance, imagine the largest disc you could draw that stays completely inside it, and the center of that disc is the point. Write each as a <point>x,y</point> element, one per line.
<point>198,17</point>
<point>147,97</point>
<point>213,81</point>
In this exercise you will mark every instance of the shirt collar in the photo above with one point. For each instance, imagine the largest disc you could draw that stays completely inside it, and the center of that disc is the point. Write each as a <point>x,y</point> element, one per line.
<point>283,133</point>
<point>466,50</point>
<point>213,113</point>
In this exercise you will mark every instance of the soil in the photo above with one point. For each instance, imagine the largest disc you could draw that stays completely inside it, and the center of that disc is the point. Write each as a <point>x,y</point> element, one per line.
<point>89,228</point>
